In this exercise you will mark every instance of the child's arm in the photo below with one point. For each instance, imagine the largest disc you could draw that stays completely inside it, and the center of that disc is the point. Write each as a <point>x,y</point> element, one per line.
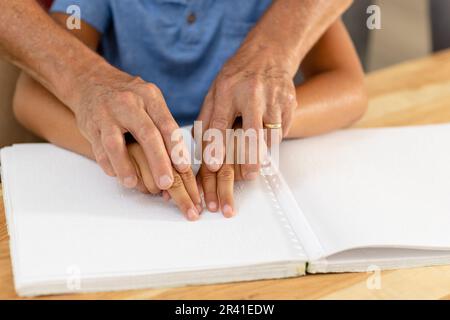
<point>333,95</point>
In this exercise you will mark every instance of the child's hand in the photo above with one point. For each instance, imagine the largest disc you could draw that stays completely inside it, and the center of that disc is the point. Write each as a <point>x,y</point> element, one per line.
<point>184,190</point>
<point>218,186</point>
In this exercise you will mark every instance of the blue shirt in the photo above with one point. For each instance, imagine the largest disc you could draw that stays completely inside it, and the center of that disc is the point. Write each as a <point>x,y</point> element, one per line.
<point>180,45</point>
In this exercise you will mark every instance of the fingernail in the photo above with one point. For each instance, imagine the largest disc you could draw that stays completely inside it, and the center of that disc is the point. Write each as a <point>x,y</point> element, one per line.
<point>212,206</point>
<point>251,176</point>
<point>192,214</point>
<point>130,182</point>
<point>199,208</point>
<point>165,182</point>
<point>227,211</point>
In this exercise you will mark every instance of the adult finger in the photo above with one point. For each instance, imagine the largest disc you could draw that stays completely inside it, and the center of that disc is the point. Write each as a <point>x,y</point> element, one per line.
<point>207,109</point>
<point>209,186</point>
<point>225,184</point>
<point>149,138</point>
<point>159,112</point>
<point>182,199</point>
<point>237,170</point>
<point>252,125</point>
<point>114,146</point>
<point>203,119</point>
<point>222,118</point>
<point>271,119</point>
<point>101,157</point>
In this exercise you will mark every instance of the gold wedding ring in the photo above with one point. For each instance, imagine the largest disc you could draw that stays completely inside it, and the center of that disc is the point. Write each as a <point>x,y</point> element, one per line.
<point>272,125</point>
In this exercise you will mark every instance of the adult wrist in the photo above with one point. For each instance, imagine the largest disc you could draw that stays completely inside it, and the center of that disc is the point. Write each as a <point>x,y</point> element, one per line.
<point>84,74</point>
<point>276,54</point>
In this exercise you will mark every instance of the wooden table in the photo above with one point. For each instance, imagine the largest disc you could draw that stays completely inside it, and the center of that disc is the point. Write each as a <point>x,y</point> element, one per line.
<point>416,92</point>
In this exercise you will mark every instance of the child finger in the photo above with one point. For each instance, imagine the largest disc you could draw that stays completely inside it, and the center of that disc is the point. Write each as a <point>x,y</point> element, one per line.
<point>182,199</point>
<point>225,185</point>
<point>144,172</point>
<point>209,186</point>
<point>191,187</point>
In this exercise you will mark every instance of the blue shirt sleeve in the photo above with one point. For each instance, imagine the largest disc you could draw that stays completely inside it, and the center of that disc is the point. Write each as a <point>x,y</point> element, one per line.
<point>96,13</point>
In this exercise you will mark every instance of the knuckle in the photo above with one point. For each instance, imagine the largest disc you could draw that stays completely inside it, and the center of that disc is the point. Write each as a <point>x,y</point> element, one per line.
<point>152,89</point>
<point>147,134</point>
<point>210,195</point>
<point>188,177</point>
<point>223,86</point>
<point>288,97</point>
<point>167,127</point>
<point>112,142</point>
<point>208,178</point>
<point>136,80</point>
<point>177,182</point>
<point>125,103</point>
<point>219,122</point>
<point>254,85</point>
<point>126,97</point>
<point>226,173</point>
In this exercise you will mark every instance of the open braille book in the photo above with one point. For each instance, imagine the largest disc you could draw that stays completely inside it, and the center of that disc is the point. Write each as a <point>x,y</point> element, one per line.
<point>341,202</point>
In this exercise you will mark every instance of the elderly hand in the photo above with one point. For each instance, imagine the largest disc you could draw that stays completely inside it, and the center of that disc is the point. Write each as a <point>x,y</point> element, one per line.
<point>256,84</point>
<point>112,103</point>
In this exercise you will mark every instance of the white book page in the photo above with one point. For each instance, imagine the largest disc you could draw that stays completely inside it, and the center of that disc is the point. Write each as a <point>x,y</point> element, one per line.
<point>68,215</point>
<point>373,188</point>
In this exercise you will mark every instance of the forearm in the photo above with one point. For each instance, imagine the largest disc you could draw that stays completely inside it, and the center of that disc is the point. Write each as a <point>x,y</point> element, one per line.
<point>30,39</point>
<point>292,27</point>
<point>326,102</point>
<point>333,95</point>
<point>43,114</point>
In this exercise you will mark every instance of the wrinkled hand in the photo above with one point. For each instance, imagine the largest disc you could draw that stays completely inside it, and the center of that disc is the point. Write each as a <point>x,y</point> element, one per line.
<point>256,85</point>
<point>112,103</point>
